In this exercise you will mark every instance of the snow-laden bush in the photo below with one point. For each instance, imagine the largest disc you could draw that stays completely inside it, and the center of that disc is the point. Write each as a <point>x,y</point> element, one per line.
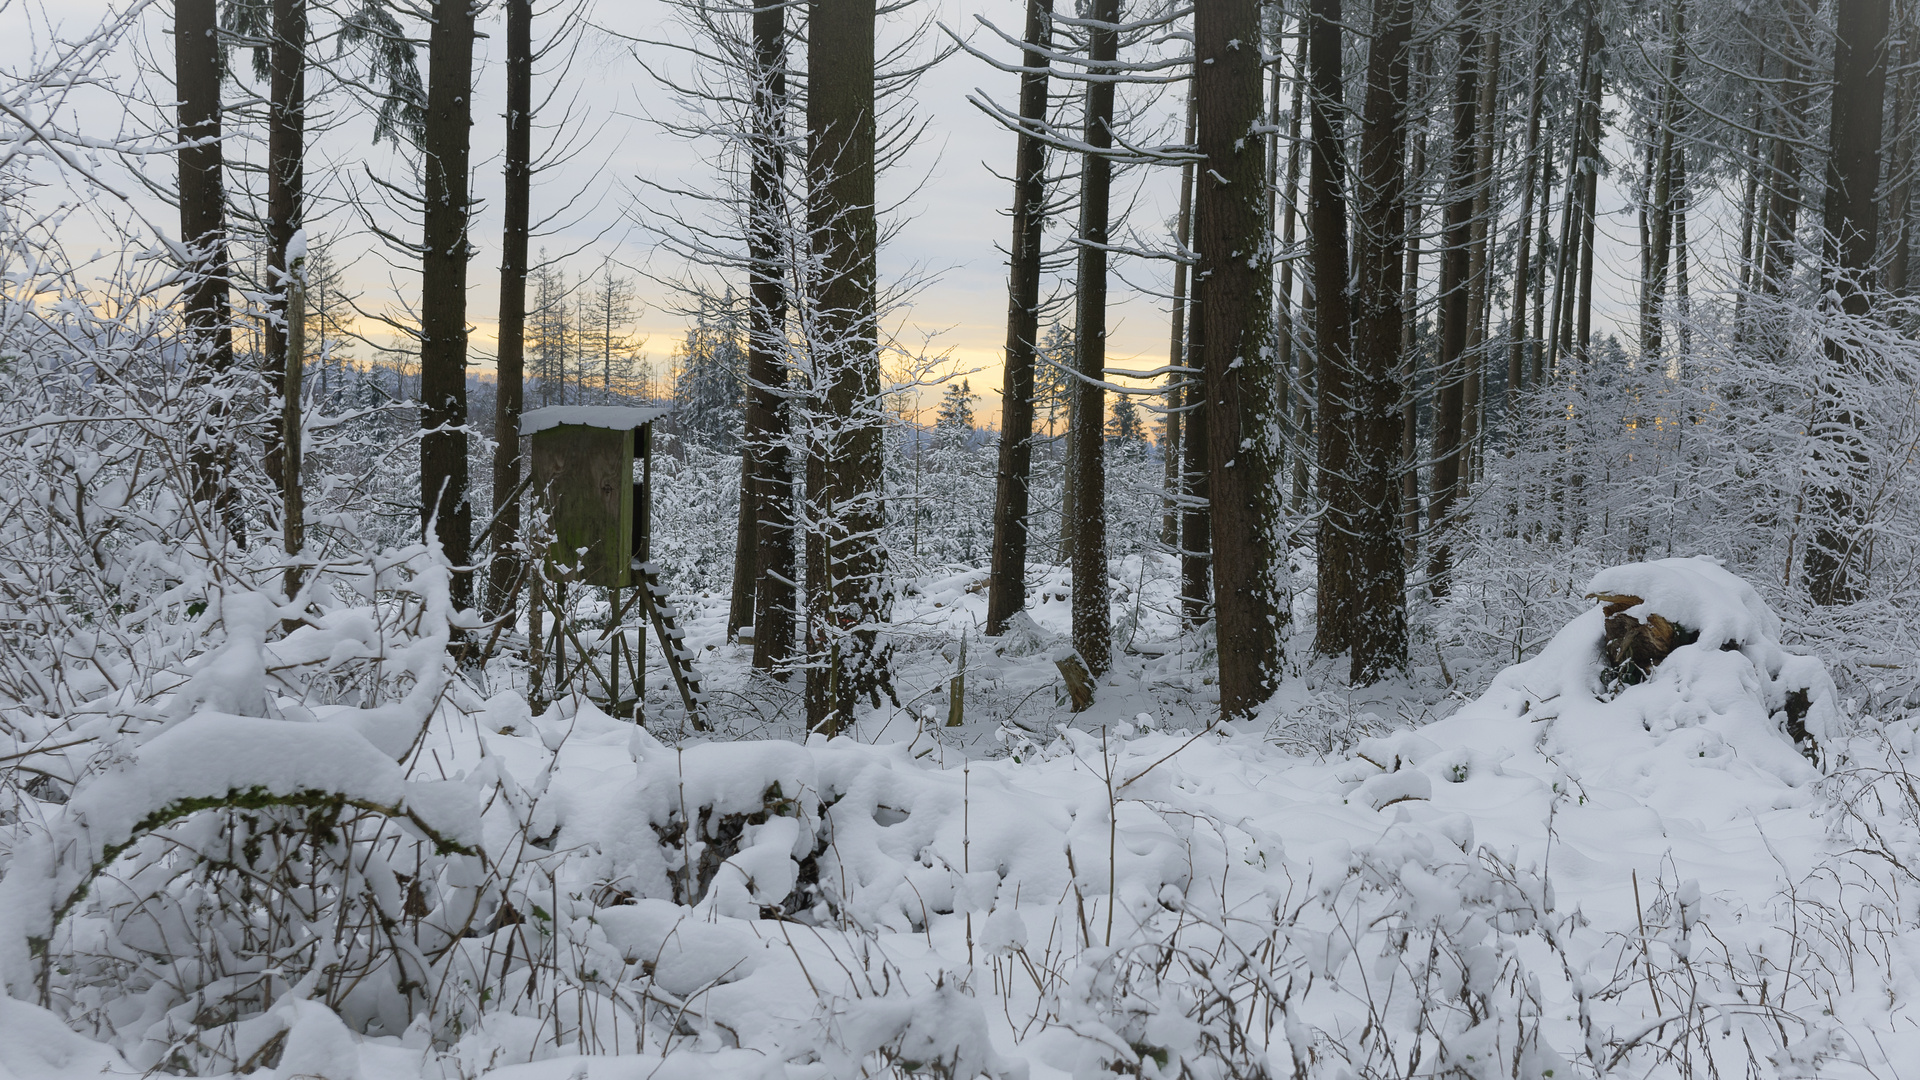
<point>422,881</point>
<point>1725,454</point>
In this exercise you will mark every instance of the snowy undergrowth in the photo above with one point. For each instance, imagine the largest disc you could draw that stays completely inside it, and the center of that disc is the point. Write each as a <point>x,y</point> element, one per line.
<point>1563,877</point>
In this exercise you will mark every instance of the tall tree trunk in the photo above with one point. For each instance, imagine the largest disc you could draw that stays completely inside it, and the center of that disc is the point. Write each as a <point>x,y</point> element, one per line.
<point>1906,112</point>
<point>1543,240</point>
<point>1234,300</point>
<point>1176,351</point>
<point>1523,255</point>
<point>1007,583</point>
<point>1410,338</point>
<point>1589,199</point>
<point>1449,395</point>
<point>1369,516</point>
<point>1660,211</point>
<point>1288,352</point>
<point>203,231</point>
<point>1567,265</point>
<point>286,154</point>
<point>1092,617</point>
<point>767,419</point>
<point>1783,172</point>
<point>516,207</point>
<point>1750,208</point>
<point>1682,291</point>
<point>1479,264</point>
<point>1332,329</point>
<point>444,504</point>
<point>845,562</point>
<point>1852,225</point>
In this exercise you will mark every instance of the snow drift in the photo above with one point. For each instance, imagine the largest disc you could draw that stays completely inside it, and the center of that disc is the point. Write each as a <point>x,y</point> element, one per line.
<point>1567,876</point>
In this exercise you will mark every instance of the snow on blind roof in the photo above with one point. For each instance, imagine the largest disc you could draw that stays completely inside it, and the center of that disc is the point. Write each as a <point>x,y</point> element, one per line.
<point>612,417</point>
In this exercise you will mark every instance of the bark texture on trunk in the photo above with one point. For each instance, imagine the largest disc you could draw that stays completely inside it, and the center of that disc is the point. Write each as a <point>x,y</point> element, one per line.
<point>1332,329</point>
<point>1479,266</point>
<point>1177,351</point>
<point>1092,617</point>
<point>1663,199</point>
<point>1522,260</point>
<point>1233,302</point>
<point>1852,225</point>
<point>845,562</point>
<point>444,504</point>
<point>515,207</point>
<point>1286,351</point>
<point>203,231</point>
<point>1782,218</point>
<point>767,419</point>
<point>1589,199</point>
<point>1456,241</point>
<point>1906,112</point>
<point>1369,515</point>
<point>1013,481</point>
<point>1410,333</point>
<point>286,154</point>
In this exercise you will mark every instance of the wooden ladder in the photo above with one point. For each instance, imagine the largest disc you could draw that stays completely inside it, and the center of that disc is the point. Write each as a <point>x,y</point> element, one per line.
<point>686,677</point>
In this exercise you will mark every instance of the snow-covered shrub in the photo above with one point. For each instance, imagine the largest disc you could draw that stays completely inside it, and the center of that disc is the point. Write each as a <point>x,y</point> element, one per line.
<point>1724,455</point>
<point>696,508</point>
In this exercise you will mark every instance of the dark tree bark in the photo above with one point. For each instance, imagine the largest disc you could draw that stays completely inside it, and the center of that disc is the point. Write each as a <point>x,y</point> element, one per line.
<point>1543,238</point>
<point>844,557</point>
<point>1852,225</point>
<point>1449,394</point>
<point>1233,302</point>
<point>444,504</point>
<point>1369,516</point>
<point>1523,240</point>
<point>1177,351</point>
<point>1479,265</point>
<point>286,305</point>
<point>516,206</point>
<point>767,420</point>
<point>1662,201</point>
<point>1007,581</point>
<point>1092,617</point>
<point>1409,340</point>
<point>1750,203</point>
<point>1572,221</point>
<point>1286,353</point>
<point>1590,197</point>
<point>286,160</point>
<point>1332,329</point>
<point>1906,155</point>
<point>1782,218</point>
<point>203,230</point>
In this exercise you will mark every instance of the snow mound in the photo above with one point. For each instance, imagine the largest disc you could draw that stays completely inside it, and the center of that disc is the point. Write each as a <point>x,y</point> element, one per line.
<point>1024,637</point>
<point>1714,722</point>
<point>206,760</point>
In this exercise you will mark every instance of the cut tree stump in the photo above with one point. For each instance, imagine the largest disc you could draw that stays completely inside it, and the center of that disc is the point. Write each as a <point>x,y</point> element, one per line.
<point>1079,680</point>
<point>1634,648</point>
<point>957,689</point>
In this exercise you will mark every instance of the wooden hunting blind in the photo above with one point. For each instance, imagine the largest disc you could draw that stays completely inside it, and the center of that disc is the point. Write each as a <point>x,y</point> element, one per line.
<point>583,474</point>
<point>601,515</point>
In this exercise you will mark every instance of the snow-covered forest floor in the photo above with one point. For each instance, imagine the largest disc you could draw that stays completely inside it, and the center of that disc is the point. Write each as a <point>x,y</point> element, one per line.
<point>1479,871</point>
